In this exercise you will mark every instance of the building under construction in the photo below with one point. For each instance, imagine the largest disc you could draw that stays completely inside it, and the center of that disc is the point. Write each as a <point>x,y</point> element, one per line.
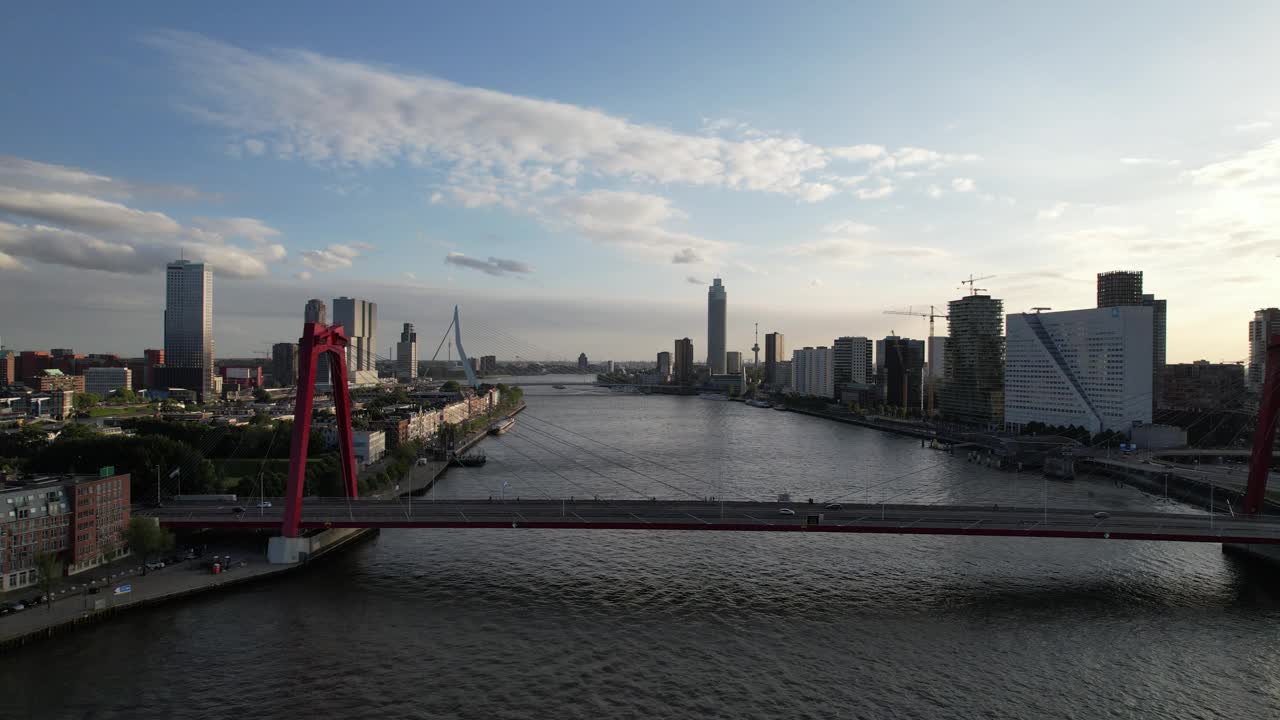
<point>974,389</point>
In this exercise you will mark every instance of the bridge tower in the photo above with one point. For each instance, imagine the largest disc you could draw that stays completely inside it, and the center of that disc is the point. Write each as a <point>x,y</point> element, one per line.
<point>317,339</point>
<point>1264,436</point>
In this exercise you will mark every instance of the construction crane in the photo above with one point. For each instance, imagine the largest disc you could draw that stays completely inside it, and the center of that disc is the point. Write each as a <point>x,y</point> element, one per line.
<point>931,315</point>
<point>1037,310</point>
<point>973,290</point>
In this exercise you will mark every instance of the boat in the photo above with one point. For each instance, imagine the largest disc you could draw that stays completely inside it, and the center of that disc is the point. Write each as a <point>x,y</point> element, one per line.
<point>471,459</point>
<point>501,426</point>
<point>558,387</point>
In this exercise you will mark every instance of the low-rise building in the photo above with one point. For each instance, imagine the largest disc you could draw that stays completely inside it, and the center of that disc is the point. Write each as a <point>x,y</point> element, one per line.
<point>1202,385</point>
<point>80,518</point>
<point>369,446</point>
<point>102,381</point>
<point>49,380</point>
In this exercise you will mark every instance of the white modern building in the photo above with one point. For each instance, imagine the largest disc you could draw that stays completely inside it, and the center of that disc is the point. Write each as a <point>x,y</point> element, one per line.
<point>359,320</point>
<point>733,362</point>
<point>1091,368</point>
<point>188,326</point>
<point>102,381</point>
<point>813,372</point>
<point>853,360</point>
<point>369,446</point>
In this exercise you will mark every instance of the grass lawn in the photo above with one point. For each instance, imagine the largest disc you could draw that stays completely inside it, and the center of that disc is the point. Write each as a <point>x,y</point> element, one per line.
<point>121,410</point>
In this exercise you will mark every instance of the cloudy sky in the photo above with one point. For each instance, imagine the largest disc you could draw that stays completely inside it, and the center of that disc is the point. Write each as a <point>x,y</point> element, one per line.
<point>573,175</point>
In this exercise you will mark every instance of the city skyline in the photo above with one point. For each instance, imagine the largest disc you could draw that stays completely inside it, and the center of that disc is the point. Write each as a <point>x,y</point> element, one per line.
<point>591,193</point>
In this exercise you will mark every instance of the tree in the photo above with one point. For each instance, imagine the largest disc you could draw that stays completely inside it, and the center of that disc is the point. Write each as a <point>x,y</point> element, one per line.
<point>450,386</point>
<point>49,567</point>
<point>122,395</point>
<point>260,395</point>
<point>84,401</point>
<point>145,537</point>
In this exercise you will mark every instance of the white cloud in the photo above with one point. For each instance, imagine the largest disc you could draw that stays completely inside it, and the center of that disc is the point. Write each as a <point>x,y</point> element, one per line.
<point>493,266</point>
<point>333,111</point>
<point>693,280</point>
<point>1260,163</point>
<point>1054,212</point>
<point>1147,161</point>
<point>302,275</point>
<point>337,256</point>
<point>851,241</point>
<point>963,185</point>
<point>253,146</point>
<point>686,256</point>
<point>934,192</point>
<point>816,283</point>
<point>873,193</point>
<point>36,175</point>
<point>1252,126</point>
<point>55,221</point>
<point>633,220</point>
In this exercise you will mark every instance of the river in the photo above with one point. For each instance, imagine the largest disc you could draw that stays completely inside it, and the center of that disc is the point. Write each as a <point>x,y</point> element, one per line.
<point>565,624</point>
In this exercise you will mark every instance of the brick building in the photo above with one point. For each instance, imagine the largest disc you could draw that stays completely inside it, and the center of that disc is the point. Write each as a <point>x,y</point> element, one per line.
<point>50,380</point>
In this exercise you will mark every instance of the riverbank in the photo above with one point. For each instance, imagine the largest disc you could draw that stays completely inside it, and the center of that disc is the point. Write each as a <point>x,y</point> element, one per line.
<point>896,428</point>
<point>71,610</point>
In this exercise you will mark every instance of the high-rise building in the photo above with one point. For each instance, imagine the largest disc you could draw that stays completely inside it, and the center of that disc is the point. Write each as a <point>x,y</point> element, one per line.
<point>937,357</point>
<point>316,312</point>
<point>488,364</point>
<point>583,365</point>
<point>1265,323</point>
<point>102,381</point>
<point>853,361</point>
<point>782,375</point>
<point>359,320</point>
<point>974,360</point>
<point>775,351</point>
<point>683,360</point>
<point>716,310</point>
<point>1090,368</point>
<point>664,366</point>
<point>733,362</point>
<point>902,381</point>
<point>188,327</point>
<point>1202,386</point>
<point>1159,330</point>
<point>33,362</point>
<point>813,372</point>
<point>8,368</point>
<point>284,364</point>
<point>407,354</point>
<point>1119,287</point>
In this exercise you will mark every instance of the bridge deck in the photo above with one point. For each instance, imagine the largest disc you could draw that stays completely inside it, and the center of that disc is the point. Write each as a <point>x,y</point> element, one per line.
<point>978,521</point>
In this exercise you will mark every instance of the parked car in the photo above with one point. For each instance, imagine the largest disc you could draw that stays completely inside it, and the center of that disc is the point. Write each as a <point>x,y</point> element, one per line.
<point>1102,515</point>
<point>786,511</point>
<point>16,606</point>
<point>237,509</point>
<point>94,590</point>
<point>264,504</point>
<point>155,565</point>
<point>832,506</point>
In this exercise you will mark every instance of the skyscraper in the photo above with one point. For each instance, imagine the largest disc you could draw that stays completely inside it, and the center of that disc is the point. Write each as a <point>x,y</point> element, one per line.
<point>813,372</point>
<point>1090,368</point>
<point>733,362</point>
<point>583,365</point>
<point>775,351</point>
<point>188,327</point>
<point>1265,323</point>
<point>683,358</point>
<point>284,364</point>
<point>407,354</point>
<point>1159,330</point>
<point>974,389</point>
<point>316,312</point>
<point>903,372</point>
<point>1119,287</point>
<point>359,320</point>
<point>853,361</point>
<point>664,366</point>
<point>716,301</point>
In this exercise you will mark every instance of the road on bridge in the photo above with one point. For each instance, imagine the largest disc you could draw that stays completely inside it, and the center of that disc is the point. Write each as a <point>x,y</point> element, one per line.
<point>985,520</point>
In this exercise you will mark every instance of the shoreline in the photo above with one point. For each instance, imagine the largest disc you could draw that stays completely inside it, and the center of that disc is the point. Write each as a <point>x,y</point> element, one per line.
<point>238,577</point>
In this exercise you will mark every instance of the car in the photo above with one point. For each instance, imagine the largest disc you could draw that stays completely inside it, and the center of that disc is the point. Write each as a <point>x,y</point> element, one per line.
<point>831,506</point>
<point>786,511</point>
<point>95,590</point>
<point>16,607</point>
<point>264,504</point>
<point>157,565</point>
<point>1102,515</point>
<point>237,509</point>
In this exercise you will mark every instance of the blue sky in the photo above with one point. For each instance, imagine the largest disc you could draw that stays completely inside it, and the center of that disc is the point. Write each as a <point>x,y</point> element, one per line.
<point>574,174</point>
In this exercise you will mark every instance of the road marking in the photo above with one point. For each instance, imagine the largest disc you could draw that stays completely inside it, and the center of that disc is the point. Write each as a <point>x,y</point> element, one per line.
<point>913,522</point>
<point>695,517</point>
<point>578,516</point>
<point>976,523</point>
<point>646,522</point>
<point>464,516</point>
